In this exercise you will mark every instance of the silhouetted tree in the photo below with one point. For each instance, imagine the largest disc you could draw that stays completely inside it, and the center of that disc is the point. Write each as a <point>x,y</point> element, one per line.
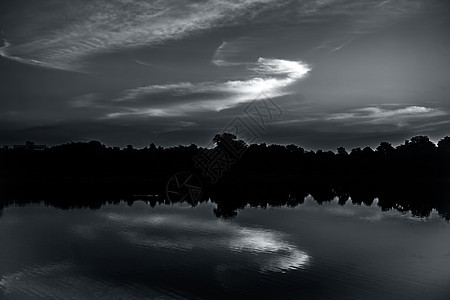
<point>385,148</point>
<point>417,145</point>
<point>226,140</point>
<point>444,144</point>
<point>341,151</point>
<point>356,152</point>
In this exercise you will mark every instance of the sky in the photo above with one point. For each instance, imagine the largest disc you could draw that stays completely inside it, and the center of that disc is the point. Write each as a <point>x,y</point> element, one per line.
<point>317,73</point>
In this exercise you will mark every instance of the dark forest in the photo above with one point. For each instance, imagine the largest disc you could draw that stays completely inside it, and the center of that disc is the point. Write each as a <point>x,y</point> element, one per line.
<point>413,176</point>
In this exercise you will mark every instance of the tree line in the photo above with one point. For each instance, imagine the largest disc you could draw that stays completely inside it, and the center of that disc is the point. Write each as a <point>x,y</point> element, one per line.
<point>413,176</point>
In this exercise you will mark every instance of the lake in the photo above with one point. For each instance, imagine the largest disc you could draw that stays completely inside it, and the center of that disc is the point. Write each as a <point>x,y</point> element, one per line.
<point>311,251</point>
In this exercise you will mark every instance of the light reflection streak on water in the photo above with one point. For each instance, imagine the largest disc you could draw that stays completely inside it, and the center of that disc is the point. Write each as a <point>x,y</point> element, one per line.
<point>184,234</point>
<point>66,280</point>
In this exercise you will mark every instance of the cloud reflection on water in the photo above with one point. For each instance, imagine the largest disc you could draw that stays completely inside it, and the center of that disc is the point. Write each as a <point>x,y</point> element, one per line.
<point>272,251</point>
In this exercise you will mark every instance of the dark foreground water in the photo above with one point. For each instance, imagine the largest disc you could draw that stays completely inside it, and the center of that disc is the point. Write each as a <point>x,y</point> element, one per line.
<point>139,252</point>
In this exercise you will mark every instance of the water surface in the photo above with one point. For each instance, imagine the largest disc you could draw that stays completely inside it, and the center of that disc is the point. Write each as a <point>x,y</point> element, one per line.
<point>172,252</point>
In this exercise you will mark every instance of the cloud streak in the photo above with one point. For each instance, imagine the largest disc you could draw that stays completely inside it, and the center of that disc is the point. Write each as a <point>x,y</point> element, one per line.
<point>105,26</point>
<point>274,76</point>
<point>219,58</point>
<point>364,17</point>
<point>228,53</point>
<point>377,115</point>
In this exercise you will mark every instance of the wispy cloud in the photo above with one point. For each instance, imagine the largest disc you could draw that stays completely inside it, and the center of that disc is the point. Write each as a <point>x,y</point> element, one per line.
<point>363,17</point>
<point>86,100</point>
<point>340,47</point>
<point>104,26</point>
<point>390,115</point>
<point>220,57</point>
<point>230,53</point>
<point>274,75</point>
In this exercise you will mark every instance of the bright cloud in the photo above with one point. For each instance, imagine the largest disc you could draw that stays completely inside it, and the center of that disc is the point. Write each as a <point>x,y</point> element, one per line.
<point>291,69</point>
<point>276,75</point>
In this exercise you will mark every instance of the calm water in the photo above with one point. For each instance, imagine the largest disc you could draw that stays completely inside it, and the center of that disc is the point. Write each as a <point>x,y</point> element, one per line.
<point>307,252</point>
